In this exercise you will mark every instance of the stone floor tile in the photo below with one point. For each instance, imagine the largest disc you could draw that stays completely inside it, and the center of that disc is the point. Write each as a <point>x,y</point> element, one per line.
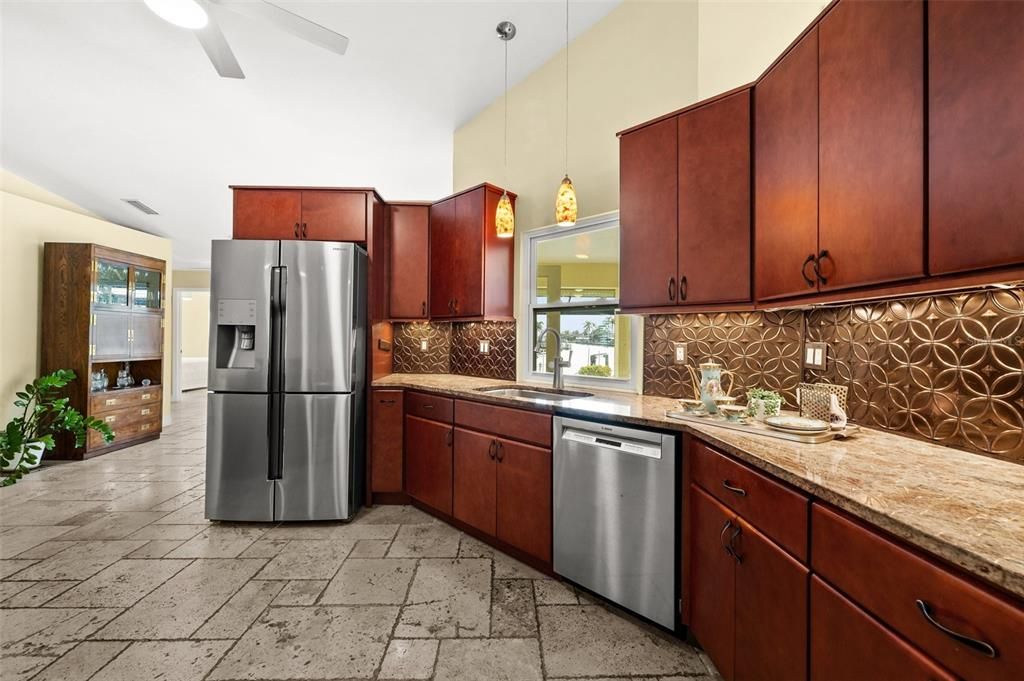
<point>153,494</point>
<point>80,561</point>
<point>106,491</point>
<point>551,592</point>
<point>217,541</point>
<point>409,659</point>
<point>47,549</point>
<point>114,525</point>
<point>17,540</point>
<point>49,631</point>
<point>9,589</point>
<point>509,659</point>
<point>425,541</point>
<point>300,592</point>
<point>241,610</point>
<point>119,585</point>
<point>158,548</point>
<point>84,660</point>
<point>395,515</point>
<point>182,604</point>
<point>320,642</point>
<point>449,598</point>
<point>167,532</point>
<point>513,614</point>
<point>180,501</point>
<point>264,548</point>
<point>593,641</point>
<point>37,594</point>
<point>14,565</point>
<point>505,566</point>
<point>35,512</point>
<point>192,513</point>
<point>164,660</point>
<point>308,559</point>
<point>354,530</point>
<point>382,581</point>
<point>370,548</point>
<point>23,667</point>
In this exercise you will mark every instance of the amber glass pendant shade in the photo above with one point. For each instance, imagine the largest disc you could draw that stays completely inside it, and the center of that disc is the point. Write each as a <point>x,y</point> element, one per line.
<point>565,204</point>
<point>504,218</point>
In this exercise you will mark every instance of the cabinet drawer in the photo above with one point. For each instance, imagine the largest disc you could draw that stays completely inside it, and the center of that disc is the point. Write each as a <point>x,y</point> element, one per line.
<point>128,424</point>
<point>897,585</point>
<point>517,424</point>
<point>430,407</point>
<point>775,509</point>
<point>103,402</point>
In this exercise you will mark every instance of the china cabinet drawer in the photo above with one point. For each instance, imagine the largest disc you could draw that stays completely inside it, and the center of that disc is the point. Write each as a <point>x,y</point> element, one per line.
<point>128,424</point>
<point>103,402</point>
<point>777,510</point>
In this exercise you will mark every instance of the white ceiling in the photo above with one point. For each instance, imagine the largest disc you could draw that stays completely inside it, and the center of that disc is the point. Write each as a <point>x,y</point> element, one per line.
<point>601,246</point>
<point>103,101</point>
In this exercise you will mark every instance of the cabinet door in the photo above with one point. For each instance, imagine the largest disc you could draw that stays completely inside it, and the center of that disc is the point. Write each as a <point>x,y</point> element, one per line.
<point>410,259</point>
<point>474,493</point>
<point>267,214</point>
<point>524,498</point>
<point>847,644</point>
<point>871,104</point>
<point>976,135</point>
<point>468,262</point>
<point>786,174</point>
<point>443,259</point>
<point>111,287</point>
<point>771,610</point>
<point>428,462</point>
<point>714,202</point>
<point>386,441</point>
<point>147,289</point>
<point>333,216</point>
<point>147,337</point>
<point>712,589</point>
<point>110,335</point>
<point>647,216</point>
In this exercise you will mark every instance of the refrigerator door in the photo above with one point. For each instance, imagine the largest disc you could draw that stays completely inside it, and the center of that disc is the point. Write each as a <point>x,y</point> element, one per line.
<point>320,316</point>
<point>237,458</point>
<point>240,315</point>
<point>316,475</point>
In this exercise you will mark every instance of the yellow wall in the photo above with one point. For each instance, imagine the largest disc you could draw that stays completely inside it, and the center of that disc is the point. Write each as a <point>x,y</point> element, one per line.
<point>194,313</point>
<point>191,278</point>
<point>30,216</point>
<point>739,39</point>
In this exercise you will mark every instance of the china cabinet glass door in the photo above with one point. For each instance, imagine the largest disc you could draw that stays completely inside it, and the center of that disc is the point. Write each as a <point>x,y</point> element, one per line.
<point>146,289</point>
<point>111,284</point>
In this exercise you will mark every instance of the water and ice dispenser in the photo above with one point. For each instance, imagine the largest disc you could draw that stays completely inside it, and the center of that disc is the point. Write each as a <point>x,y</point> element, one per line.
<point>236,334</point>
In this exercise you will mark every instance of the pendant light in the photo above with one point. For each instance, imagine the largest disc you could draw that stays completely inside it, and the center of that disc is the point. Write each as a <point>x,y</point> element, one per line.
<point>565,200</point>
<point>504,218</point>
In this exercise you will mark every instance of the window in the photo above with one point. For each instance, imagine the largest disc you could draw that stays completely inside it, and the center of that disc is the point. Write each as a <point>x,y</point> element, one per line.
<point>572,286</point>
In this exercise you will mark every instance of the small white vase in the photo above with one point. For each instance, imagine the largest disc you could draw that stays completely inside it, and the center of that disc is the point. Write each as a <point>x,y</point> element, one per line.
<point>36,448</point>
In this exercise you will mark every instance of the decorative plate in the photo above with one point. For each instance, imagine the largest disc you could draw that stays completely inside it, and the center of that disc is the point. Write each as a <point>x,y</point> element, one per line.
<point>797,424</point>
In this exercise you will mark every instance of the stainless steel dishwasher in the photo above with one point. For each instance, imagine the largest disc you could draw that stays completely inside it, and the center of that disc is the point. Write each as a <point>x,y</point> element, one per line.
<point>615,514</point>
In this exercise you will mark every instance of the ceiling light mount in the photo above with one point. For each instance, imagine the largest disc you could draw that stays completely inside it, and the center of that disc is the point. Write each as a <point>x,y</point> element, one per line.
<point>506,30</point>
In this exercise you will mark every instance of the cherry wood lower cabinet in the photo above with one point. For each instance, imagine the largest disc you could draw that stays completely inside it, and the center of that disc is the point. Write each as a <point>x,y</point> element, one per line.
<point>428,462</point>
<point>712,580</point>
<point>476,481</point>
<point>847,644</point>
<point>386,475</point>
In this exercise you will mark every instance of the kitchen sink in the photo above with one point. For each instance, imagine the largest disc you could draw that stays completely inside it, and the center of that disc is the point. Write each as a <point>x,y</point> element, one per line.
<point>534,394</point>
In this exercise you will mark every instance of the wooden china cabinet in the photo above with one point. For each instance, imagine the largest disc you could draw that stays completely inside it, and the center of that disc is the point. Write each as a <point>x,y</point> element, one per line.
<point>103,308</point>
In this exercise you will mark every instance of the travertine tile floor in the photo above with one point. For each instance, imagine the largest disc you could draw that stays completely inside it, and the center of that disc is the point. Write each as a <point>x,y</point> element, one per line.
<point>108,571</point>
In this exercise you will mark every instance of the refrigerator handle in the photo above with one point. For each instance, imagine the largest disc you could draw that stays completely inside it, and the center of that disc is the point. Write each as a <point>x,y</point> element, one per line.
<point>275,419</point>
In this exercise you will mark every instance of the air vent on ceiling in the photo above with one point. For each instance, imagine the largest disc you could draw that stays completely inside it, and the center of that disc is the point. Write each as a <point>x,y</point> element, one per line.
<point>141,206</point>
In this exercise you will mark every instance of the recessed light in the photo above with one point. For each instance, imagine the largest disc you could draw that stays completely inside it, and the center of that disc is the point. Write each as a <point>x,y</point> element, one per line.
<point>184,13</point>
<point>582,256</point>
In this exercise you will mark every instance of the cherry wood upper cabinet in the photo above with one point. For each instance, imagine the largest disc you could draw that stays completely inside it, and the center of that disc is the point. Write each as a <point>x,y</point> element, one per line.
<point>976,134</point>
<point>267,213</point>
<point>333,215</point>
<point>712,586</point>
<point>648,216</point>
<point>871,154</point>
<point>714,202</point>
<point>786,174</point>
<point>471,269</point>
<point>410,260</point>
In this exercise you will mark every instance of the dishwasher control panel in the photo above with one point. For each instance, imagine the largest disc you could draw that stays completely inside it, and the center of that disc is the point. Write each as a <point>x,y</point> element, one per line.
<point>622,445</point>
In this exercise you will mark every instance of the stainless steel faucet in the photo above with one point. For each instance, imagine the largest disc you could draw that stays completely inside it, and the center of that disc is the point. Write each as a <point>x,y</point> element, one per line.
<point>559,382</point>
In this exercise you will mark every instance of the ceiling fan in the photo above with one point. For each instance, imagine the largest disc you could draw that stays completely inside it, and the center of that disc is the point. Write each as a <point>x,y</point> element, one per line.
<point>194,15</point>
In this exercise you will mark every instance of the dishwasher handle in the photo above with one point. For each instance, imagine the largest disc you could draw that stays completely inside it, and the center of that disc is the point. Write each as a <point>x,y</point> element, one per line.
<point>617,444</point>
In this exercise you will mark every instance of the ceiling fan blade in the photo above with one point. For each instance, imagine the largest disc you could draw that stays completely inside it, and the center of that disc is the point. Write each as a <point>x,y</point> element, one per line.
<point>218,50</point>
<point>290,23</point>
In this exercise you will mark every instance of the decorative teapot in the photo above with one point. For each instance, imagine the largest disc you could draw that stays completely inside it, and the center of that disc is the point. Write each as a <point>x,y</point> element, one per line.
<point>707,385</point>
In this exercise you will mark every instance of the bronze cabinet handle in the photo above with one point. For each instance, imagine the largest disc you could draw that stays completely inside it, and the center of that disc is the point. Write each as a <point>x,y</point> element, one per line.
<point>386,401</point>
<point>490,450</point>
<point>428,407</point>
<point>683,287</point>
<point>423,308</point>
<point>500,451</point>
<point>455,306</point>
<point>448,437</point>
<point>803,269</point>
<point>736,532</point>
<point>986,649</point>
<point>721,537</point>
<point>817,265</point>
<point>303,230</point>
<point>672,288</point>
<point>732,488</point>
<point>296,230</point>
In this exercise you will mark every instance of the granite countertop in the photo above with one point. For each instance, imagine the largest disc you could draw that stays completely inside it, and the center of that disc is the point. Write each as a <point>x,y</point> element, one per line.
<point>964,507</point>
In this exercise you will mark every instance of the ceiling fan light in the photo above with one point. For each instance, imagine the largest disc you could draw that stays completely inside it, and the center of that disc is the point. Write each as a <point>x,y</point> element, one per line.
<point>565,204</point>
<point>184,13</point>
<point>504,218</point>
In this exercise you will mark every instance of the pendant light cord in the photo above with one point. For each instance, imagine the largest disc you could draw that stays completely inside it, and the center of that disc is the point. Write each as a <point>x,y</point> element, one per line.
<point>506,113</point>
<point>566,88</point>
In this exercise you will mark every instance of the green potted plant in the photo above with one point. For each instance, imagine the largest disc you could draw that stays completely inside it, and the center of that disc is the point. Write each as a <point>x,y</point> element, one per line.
<point>44,414</point>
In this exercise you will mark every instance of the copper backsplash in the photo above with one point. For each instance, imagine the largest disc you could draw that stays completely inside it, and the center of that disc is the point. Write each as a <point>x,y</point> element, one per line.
<point>946,368</point>
<point>455,348</point>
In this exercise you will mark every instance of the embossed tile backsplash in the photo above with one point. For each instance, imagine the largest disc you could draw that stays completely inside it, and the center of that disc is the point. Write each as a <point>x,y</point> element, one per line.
<point>947,368</point>
<point>455,349</point>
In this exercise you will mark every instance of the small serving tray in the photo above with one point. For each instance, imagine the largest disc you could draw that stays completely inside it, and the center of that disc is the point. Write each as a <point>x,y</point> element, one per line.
<point>757,428</point>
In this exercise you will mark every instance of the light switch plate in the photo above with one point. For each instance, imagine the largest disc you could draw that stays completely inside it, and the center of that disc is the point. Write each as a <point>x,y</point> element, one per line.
<point>485,347</point>
<point>816,356</point>
<point>680,353</point>
<point>423,345</point>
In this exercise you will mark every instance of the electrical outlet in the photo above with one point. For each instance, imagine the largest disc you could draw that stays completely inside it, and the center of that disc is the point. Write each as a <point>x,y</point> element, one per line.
<point>680,353</point>
<point>816,356</point>
<point>485,347</point>
<point>423,345</point>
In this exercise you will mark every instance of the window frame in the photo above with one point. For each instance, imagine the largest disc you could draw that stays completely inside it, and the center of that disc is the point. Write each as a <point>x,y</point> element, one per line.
<point>528,306</point>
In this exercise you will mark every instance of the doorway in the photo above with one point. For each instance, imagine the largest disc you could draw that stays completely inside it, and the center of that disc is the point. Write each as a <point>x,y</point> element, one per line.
<point>191,337</point>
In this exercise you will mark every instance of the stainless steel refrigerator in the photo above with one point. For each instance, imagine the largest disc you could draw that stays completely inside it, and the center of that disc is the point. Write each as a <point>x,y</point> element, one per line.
<point>286,433</point>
